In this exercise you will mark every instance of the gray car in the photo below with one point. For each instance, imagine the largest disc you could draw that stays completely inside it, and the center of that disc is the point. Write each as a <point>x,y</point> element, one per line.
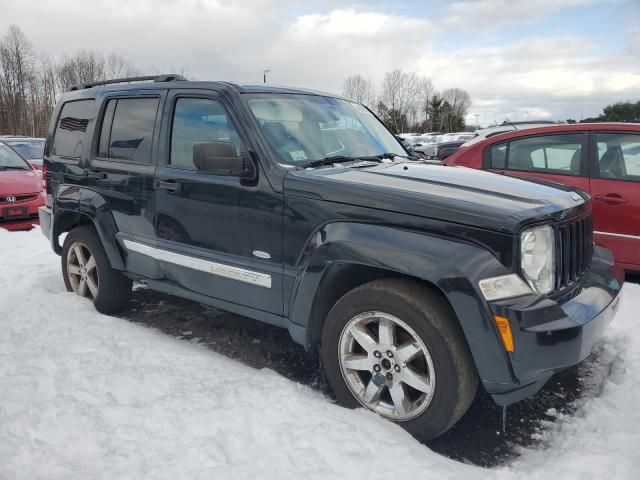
<point>31,148</point>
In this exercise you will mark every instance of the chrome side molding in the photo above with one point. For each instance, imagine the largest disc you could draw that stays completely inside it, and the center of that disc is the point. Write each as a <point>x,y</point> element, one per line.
<point>219,269</point>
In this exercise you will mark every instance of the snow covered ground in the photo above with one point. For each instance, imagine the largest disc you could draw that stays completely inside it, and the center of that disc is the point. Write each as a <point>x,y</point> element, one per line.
<point>86,396</point>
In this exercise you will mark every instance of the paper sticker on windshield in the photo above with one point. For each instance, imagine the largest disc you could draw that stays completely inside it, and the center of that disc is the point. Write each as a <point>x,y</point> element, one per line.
<point>298,155</point>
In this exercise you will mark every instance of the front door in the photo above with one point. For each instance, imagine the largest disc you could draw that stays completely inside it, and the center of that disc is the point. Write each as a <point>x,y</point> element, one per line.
<point>216,235</point>
<point>615,189</point>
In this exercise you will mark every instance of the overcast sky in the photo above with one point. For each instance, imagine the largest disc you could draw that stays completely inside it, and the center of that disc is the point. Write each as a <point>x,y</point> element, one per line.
<point>519,59</point>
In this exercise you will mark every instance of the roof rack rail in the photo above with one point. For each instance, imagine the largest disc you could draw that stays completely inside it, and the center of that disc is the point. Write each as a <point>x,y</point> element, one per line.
<point>166,77</point>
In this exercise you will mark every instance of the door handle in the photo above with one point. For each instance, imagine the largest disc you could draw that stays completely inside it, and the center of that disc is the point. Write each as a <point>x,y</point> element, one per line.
<point>610,198</point>
<point>96,174</point>
<point>169,185</point>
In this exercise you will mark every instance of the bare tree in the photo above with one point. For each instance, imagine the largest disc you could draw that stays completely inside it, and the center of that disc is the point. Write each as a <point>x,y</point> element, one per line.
<point>459,102</point>
<point>83,67</point>
<point>87,66</point>
<point>359,89</point>
<point>117,66</point>
<point>31,83</point>
<point>409,101</point>
<point>47,92</point>
<point>401,94</point>
<point>16,80</point>
<point>426,93</point>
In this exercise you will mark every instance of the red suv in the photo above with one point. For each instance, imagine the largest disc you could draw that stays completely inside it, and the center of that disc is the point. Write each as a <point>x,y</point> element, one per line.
<point>602,159</point>
<point>20,191</point>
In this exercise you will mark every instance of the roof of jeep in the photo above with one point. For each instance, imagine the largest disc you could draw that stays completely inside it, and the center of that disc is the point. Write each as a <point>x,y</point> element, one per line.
<point>229,87</point>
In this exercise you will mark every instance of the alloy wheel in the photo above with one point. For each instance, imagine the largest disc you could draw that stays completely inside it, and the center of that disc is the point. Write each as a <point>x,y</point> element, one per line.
<point>82,271</point>
<point>386,365</point>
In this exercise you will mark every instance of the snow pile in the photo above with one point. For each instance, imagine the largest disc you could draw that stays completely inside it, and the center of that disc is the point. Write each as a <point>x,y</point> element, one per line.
<point>84,395</point>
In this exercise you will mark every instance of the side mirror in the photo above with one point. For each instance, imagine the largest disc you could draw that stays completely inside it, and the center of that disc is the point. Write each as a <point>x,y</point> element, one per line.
<point>221,158</point>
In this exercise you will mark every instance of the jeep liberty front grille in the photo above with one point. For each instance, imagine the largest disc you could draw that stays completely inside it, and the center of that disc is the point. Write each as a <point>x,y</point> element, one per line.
<point>574,249</point>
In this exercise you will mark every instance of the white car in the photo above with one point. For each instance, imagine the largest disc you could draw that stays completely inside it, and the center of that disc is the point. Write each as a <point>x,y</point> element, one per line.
<point>497,130</point>
<point>417,144</point>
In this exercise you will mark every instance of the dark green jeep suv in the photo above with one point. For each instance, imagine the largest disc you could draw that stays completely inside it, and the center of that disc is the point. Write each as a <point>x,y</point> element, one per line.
<point>417,282</point>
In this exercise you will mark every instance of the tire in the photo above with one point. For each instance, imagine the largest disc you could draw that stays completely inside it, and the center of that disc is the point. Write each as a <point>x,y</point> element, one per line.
<point>447,380</point>
<point>109,289</point>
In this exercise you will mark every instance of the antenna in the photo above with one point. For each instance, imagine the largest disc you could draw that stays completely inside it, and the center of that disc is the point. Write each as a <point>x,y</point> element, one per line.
<point>509,122</point>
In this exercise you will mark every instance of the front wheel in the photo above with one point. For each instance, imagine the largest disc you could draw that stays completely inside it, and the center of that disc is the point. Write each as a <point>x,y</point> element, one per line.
<point>395,348</point>
<point>88,273</point>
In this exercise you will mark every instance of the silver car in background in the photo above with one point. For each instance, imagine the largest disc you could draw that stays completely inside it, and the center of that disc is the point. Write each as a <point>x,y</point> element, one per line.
<point>430,150</point>
<point>31,148</point>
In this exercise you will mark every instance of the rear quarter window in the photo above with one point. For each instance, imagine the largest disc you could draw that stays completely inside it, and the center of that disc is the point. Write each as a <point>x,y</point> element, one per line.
<point>498,156</point>
<point>71,129</point>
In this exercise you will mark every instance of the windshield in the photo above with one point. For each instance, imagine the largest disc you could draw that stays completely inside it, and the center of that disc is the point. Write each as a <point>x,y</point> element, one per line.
<point>305,128</point>
<point>11,160</point>
<point>29,149</point>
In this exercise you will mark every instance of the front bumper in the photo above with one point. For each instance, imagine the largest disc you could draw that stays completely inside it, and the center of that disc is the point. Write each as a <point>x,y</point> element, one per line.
<point>24,217</point>
<point>551,335</point>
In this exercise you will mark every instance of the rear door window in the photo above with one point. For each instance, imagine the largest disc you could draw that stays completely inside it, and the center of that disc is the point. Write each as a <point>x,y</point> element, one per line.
<point>71,129</point>
<point>127,129</point>
<point>618,156</point>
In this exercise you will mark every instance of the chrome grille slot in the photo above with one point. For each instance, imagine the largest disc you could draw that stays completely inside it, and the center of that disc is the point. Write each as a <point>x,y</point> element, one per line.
<point>574,245</point>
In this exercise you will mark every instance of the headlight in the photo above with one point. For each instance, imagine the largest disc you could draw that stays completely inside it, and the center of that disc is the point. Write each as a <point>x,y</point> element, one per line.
<point>537,258</point>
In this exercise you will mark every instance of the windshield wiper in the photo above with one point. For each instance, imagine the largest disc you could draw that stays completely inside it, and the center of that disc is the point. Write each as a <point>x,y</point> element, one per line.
<point>338,159</point>
<point>388,155</point>
<point>379,158</point>
<point>391,156</point>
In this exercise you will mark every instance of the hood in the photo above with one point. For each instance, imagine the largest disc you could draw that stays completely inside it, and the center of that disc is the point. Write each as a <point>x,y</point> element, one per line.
<point>18,182</point>
<point>453,194</point>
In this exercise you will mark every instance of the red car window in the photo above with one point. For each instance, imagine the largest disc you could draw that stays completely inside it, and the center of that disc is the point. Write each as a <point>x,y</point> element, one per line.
<point>552,154</point>
<point>618,156</point>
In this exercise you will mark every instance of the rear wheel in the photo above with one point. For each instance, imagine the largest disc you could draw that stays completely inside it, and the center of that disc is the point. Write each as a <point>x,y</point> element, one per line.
<point>88,273</point>
<point>395,348</point>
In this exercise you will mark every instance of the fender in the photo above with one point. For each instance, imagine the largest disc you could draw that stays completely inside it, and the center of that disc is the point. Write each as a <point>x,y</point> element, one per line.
<point>452,266</point>
<point>73,205</point>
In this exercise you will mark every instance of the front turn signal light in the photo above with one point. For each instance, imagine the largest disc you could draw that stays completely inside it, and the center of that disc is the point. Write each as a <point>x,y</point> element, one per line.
<point>504,328</point>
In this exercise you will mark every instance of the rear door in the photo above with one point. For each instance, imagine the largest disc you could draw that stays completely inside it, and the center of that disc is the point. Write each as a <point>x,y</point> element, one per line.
<point>123,160</point>
<point>122,166</point>
<point>558,157</point>
<point>615,188</point>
